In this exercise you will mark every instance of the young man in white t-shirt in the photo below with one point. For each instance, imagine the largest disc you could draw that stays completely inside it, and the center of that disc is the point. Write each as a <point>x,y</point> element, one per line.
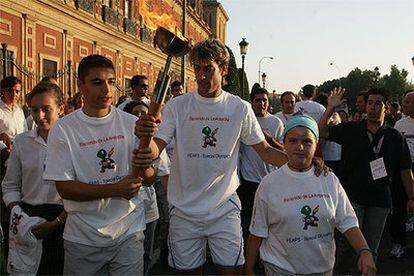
<point>207,126</point>
<point>287,103</point>
<point>89,157</point>
<point>139,86</point>
<point>252,168</point>
<point>308,106</point>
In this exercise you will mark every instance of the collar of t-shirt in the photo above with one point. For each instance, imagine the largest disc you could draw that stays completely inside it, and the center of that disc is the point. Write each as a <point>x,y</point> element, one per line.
<point>200,98</point>
<point>296,174</point>
<point>4,106</point>
<point>33,133</point>
<point>94,120</point>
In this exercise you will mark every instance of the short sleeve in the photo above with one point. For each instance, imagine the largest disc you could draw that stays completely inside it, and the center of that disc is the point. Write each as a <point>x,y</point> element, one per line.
<point>59,164</point>
<point>251,133</point>
<point>345,217</point>
<point>163,164</point>
<point>167,128</point>
<point>12,182</point>
<point>259,225</point>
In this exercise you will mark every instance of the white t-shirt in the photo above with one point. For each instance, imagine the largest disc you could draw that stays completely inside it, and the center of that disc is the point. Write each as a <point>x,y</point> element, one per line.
<point>207,133</point>
<point>252,168</point>
<point>283,117</point>
<point>296,213</point>
<point>310,108</point>
<point>128,100</point>
<point>95,151</point>
<point>331,151</point>
<point>162,168</point>
<point>11,122</point>
<point>24,177</point>
<point>406,126</point>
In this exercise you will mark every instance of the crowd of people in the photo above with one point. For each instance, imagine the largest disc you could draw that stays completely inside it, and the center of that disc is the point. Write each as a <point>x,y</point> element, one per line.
<point>302,186</point>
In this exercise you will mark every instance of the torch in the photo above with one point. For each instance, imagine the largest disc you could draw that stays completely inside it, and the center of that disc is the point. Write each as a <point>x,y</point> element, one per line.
<point>173,46</point>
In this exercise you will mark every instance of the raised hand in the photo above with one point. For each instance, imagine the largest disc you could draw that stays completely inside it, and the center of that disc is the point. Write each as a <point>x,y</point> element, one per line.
<point>335,97</point>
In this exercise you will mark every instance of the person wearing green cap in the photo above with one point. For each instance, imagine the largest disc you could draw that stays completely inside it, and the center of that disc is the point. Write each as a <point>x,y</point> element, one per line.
<point>296,212</point>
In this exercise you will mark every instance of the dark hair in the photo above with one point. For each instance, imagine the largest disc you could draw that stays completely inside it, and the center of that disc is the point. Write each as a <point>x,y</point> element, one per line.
<point>322,99</point>
<point>287,93</point>
<point>258,91</point>
<point>130,106</point>
<point>395,105</point>
<point>9,82</point>
<point>210,49</point>
<point>378,91</point>
<point>309,90</point>
<point>46,87</point>
<point>175,84</point>
<point>93,61</point>
<point>135,80</point>
<point>48,79</point>
<point>121,99</point>
<point>364,95</point>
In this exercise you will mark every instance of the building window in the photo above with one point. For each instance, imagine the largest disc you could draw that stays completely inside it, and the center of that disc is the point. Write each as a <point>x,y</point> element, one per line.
<point>107,3</point>
<point>49,68</point>
<point>9,64</point>
<point>128,9</point>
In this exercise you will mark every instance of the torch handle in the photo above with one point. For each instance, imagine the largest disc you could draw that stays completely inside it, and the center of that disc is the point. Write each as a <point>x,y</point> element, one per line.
<point>144,142</point>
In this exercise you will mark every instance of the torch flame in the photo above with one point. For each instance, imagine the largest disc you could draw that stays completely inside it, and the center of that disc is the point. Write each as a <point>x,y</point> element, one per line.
<point>153,20</point>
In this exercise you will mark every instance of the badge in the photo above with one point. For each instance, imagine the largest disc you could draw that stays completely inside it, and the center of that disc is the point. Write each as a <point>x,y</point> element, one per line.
<point>378,168</point>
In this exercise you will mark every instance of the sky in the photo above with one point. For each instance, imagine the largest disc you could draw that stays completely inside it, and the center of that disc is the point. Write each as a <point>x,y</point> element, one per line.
<point>305,37</point>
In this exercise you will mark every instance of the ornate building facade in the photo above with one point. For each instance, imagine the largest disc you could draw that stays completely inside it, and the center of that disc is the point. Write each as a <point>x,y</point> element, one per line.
<point>50,37</point>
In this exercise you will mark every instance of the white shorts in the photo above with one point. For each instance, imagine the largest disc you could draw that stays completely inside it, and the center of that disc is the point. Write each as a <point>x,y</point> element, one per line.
<point>123,258</point>
<point>188,238</point>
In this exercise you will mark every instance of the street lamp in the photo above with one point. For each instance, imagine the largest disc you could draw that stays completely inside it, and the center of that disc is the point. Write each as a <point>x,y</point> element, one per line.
<point>243,51</point>
<point>260,62</point>
<point>264,79</point>
<point>377,74</point>
<point>339,72</point>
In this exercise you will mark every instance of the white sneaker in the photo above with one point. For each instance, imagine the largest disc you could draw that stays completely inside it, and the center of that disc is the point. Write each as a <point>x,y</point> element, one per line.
<point>397,250</point>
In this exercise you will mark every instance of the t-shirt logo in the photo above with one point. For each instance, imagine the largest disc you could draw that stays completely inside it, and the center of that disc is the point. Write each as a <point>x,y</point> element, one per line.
<point>310,218</point>
<point>15,221</point>
<point>209,139</point>
<point>106,163</point>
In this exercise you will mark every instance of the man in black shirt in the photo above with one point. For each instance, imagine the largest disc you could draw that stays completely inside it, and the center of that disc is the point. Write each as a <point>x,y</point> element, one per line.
<point>371,154</point>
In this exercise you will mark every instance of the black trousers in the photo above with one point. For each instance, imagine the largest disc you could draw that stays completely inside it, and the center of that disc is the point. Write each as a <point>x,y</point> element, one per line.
<point>399,211</point>
<point>53,253</point>
<point>246,192</point>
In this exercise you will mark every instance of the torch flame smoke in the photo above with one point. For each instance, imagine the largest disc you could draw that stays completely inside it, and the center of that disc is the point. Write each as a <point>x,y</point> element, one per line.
<point>153,20</point>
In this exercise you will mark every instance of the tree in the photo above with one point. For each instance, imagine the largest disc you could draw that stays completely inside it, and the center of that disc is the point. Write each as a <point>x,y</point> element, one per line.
<point>396,82</point>
<point>242,76</point>
<point>232,82</point>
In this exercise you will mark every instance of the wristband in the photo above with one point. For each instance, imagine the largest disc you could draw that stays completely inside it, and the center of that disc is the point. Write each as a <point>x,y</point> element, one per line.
<point>366,249</point>
<point>59,221</point>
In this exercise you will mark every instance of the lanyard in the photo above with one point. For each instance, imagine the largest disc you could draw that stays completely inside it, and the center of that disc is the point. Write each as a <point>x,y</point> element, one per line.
<point>376,148</point>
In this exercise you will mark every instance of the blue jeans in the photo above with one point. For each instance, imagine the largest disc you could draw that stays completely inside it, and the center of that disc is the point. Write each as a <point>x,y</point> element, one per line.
<point>371,221</point>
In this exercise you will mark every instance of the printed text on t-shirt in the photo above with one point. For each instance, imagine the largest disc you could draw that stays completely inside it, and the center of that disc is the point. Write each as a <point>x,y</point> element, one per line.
<point>212,119</point>
<point>305,196</point>
<point>101,140</point>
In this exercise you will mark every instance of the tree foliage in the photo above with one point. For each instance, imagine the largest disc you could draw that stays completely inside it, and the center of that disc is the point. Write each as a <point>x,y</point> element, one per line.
<point>242,76</point>
<point>357,81</point>
<point>232,82</point>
